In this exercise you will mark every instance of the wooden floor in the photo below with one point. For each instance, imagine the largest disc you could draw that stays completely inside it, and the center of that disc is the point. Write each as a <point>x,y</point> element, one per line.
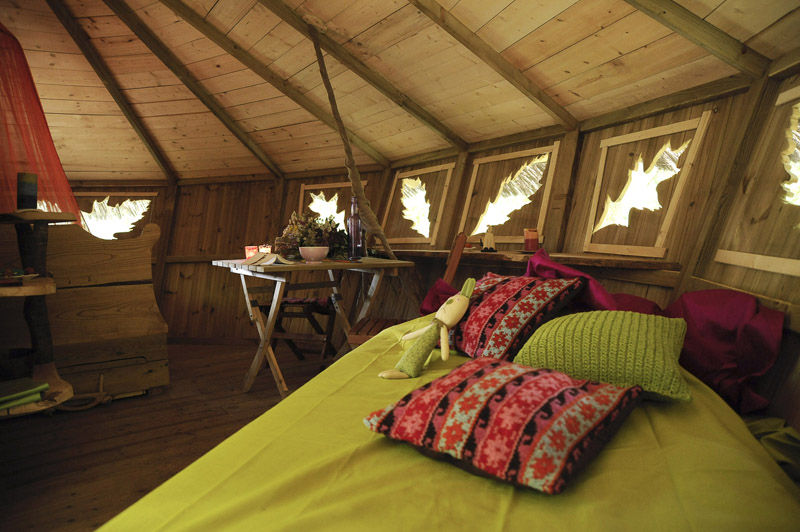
<point>73,471</point>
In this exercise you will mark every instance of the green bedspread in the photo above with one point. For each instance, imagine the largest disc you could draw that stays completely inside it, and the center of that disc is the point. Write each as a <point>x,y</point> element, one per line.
<point>310,464</point>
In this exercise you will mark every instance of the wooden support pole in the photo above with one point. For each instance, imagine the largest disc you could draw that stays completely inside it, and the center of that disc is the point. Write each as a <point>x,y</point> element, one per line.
<point>364,208</point>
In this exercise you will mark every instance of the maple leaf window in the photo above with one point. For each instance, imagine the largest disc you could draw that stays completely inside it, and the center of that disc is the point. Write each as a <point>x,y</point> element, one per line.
<point>105,220</point>
<point>791,160</point>
<point>641,190</point>
<point>416,207</point>
<point>325,208</point>
<point>515,192</point>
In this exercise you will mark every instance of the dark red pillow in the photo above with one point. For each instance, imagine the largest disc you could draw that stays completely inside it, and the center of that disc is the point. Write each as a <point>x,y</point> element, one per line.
<point>730,340</point>
<point>504,312</point>
<point>531,427</point>
<point>440,292</point>
<point>594,297</point>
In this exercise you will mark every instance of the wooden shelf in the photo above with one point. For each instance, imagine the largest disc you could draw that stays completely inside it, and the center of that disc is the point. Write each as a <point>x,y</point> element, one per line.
<point>38,286</point>
<point>31,216</point>
<point>59,392</point>
<point>520,260</point>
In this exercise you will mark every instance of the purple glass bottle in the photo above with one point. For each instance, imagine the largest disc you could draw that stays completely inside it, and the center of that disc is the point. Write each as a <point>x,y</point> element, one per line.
<point>356,250</point>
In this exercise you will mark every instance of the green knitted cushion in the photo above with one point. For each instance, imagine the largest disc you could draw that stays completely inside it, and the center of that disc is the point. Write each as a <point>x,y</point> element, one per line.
<point>616,347</point>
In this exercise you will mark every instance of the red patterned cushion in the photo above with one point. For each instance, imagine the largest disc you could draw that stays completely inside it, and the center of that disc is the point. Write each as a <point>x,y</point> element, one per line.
<point>504,311</point>
<point>532,427</point>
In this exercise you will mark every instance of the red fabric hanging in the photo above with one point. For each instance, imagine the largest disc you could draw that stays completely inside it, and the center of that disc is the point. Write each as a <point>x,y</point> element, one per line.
<point>25,141</point>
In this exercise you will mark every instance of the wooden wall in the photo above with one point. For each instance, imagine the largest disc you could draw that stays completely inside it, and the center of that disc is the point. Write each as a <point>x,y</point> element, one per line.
<point>760,228</point>
<point>731,201</point>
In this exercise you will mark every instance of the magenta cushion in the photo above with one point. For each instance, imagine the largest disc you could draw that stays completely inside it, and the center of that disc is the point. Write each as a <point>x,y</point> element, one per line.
<point>730,340</point>
<point>594,297</point>
<point>436,296</point>
<point>504,311</point>
<point>531,427</point>
<point>638,304</point>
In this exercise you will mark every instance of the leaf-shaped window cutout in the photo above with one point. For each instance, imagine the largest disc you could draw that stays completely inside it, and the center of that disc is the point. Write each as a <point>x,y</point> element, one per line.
<point>515,192</point>
<point>641,190</point>
<point>106,220</point>
<point>791,160</point>
<point>325,208</point>
<point>416,209</point>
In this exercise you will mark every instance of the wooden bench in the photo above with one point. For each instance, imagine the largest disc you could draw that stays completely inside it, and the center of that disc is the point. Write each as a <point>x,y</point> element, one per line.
<point>109,338</point>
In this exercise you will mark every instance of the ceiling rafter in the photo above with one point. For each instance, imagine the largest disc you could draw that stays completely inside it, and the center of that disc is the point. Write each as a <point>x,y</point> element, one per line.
<point>247,59</point>
<point>785,65</point>
<point>705,35</point>
<point>380,83</point>
<point>493,59</point>
<point>135,24</point>
<point>101,69</point>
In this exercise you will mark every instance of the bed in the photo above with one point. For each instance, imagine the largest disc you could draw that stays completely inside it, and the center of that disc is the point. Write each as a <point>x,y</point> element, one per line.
<point>310,463</point>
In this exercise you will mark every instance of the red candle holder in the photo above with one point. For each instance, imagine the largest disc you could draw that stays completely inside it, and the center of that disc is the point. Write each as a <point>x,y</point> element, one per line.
<point>249,251</point>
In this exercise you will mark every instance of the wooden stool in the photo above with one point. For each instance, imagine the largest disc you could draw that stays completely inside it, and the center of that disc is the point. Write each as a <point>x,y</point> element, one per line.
<point>305,308</point>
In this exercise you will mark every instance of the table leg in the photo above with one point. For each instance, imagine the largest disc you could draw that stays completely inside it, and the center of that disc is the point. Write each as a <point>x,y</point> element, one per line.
<point>337,305</point>
<point>265,329</point>
<point>377,279</point>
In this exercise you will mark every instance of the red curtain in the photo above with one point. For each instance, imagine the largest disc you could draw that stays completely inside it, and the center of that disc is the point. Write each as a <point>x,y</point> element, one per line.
<point>25,141</point>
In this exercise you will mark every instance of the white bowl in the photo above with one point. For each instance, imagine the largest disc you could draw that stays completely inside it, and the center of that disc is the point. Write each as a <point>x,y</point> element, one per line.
<point>314,253</point>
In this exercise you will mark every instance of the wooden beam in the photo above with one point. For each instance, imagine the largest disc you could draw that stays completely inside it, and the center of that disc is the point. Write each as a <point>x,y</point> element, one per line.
<point>104,73</point>
<point>705,35</point>
<point>517,138</point>
<point>370,76</point>
<point>495,60</point>
<point>685,98</point>
<point>786,65</point>
<point>559,201</point>
<point>134,23</point>
<point>757,106</point>
<point>267,74</point>
<point>447,153</point>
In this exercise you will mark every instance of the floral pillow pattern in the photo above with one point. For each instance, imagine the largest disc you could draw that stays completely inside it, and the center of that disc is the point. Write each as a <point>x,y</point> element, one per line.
<point>504,311</point>
<point>531,427</point>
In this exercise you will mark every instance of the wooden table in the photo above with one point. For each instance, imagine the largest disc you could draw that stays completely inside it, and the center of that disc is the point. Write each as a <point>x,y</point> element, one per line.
<point>279,273</point>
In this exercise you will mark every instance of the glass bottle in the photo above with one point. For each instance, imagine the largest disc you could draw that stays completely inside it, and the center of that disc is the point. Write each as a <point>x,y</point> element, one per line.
<point>356,250</point>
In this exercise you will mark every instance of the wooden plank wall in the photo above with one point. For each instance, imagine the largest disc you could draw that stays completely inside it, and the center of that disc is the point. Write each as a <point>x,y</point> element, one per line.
<point>759,222</point>
<point>680,242</point>
<point>216,219</point>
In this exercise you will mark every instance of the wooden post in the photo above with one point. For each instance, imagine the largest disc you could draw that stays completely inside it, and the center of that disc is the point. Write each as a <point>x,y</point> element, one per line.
<point>364,208</point>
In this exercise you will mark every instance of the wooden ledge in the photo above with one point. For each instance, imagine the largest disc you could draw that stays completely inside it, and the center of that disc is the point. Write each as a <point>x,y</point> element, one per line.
<point>38,286</point>
<point>518,259</point>
<point>31,216</point>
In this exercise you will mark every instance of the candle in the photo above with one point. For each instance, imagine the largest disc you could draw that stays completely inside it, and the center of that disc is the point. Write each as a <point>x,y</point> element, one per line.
<point>249,251</point>
<point>265,248</point>
<point>531,240</point>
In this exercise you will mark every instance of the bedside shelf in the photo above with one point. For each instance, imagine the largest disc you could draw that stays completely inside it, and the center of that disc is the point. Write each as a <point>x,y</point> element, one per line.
<point>38,286</point>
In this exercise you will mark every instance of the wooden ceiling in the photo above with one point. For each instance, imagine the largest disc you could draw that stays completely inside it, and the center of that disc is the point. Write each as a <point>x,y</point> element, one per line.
<point>174,90</point>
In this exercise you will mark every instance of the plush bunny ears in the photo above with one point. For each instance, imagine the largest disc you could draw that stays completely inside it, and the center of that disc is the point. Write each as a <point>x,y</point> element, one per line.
<point>469,286</point>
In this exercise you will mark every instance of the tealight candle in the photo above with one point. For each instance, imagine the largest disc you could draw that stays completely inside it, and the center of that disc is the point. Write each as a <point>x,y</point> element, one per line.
<point>249,251</point>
